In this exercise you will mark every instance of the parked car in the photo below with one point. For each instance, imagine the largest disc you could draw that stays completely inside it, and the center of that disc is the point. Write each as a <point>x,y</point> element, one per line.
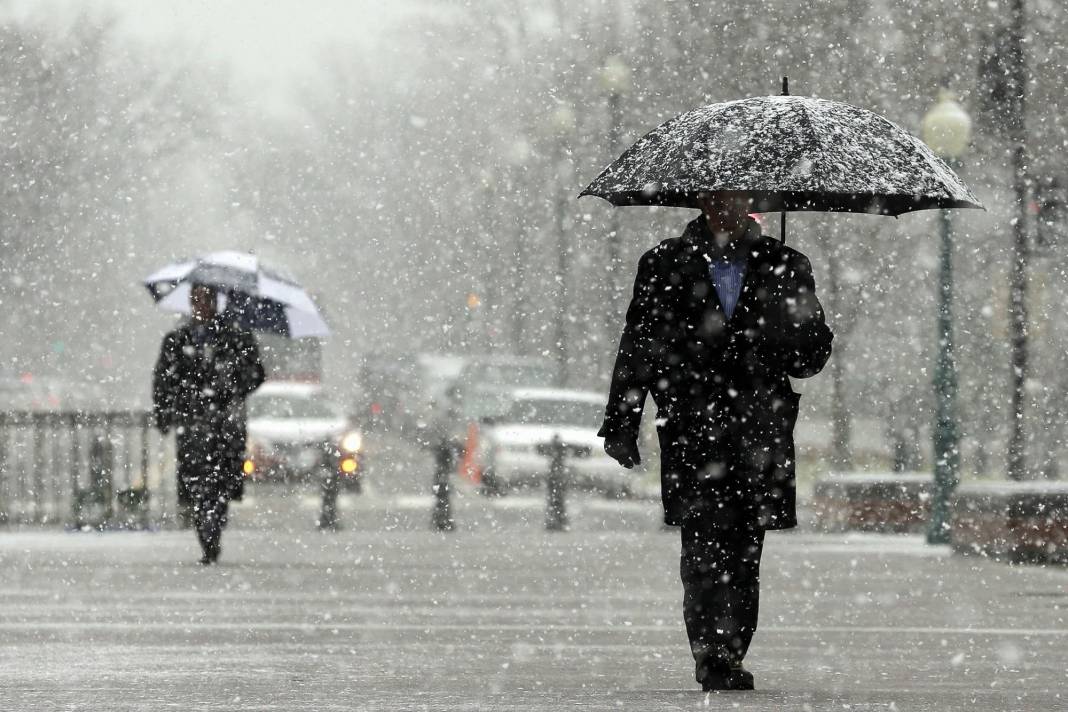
<point>514,447</point>
<point>484,387</point>
<point>499,372</point>
<point>387,381</point>
<point>483,390</point>
<point>430,393</point>
<point>400,392</point>
<point>438,372</point>
<point>295,432</point>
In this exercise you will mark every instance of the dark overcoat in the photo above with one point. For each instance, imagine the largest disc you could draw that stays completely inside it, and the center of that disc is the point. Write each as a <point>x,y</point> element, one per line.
<point>725,407</point>
<point>201,380</point>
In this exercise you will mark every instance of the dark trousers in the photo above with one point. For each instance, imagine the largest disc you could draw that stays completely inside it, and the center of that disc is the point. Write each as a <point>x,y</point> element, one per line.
<point>207,471</point>
<point>721,583</point>
<point>209,518</point>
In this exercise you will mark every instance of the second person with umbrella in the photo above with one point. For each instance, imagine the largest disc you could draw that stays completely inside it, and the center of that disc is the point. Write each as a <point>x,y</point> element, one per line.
<point>206,369</point>
<point>211,363</point>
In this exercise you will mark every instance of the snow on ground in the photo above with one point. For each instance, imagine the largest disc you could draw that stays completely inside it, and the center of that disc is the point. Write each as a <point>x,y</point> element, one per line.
<point>502,615</point>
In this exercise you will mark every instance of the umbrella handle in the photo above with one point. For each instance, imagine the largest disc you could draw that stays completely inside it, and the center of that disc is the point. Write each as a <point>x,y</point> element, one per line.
<point>782,215</point>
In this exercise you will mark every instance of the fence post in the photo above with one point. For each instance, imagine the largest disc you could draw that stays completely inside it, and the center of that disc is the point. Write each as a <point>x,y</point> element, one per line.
<point>135,499</point>
<point>101,475</point>
<point>93,505</point>
<point>38,468</point>
<point>60,498</point>
<point>556,508</point>
<point>4,488</point>
<point>442,520</point>
<point>75,462</point>
<point>145,434</point>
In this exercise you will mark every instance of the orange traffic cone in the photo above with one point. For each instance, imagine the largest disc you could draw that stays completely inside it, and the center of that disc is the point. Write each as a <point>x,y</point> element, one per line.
<point>469,467</point>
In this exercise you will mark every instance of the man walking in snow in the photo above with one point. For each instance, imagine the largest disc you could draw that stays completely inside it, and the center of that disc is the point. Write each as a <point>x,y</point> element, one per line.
<point>720,319</point>
<point>206,369</point>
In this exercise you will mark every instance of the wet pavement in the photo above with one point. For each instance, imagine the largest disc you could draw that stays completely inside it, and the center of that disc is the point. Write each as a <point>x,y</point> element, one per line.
<point>500,614</point>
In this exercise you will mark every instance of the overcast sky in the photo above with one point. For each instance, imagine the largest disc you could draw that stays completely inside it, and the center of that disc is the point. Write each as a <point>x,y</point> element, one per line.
<point>269,43</point>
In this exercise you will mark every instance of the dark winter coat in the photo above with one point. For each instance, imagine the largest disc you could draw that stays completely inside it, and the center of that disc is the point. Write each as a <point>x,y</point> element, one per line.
<point>725,407</point>
<point>201,380</point>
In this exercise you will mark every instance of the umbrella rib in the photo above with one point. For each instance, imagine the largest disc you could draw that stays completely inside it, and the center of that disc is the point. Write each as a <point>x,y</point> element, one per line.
<point>809,125</point>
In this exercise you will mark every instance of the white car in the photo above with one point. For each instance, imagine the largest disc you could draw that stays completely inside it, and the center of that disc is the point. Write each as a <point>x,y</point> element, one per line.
<point>513,448</point>
<point>295,430</point>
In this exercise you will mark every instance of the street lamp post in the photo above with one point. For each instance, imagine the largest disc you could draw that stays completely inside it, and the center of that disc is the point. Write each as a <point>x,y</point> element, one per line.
<point>518,156</point>
<point>562,125</point>
<point>487,294</point>
<point>947,130</point>
<point>616,80</point>
<point>1017,81</point>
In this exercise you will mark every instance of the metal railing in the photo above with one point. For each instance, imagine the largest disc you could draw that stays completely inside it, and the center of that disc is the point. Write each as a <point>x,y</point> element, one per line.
<point>84,469</point>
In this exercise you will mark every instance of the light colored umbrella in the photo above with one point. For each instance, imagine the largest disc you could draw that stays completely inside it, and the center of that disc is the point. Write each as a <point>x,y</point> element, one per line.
<point>260,298</point>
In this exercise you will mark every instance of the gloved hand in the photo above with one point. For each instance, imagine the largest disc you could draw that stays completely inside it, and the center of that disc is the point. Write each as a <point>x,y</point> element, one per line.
<point>623,449</point>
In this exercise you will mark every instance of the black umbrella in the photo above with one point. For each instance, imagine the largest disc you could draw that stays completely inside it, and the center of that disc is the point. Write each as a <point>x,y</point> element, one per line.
<point>788,153</point>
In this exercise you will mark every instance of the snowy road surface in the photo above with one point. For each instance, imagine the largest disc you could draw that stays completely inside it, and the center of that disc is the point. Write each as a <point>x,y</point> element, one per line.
<point>386,615</point>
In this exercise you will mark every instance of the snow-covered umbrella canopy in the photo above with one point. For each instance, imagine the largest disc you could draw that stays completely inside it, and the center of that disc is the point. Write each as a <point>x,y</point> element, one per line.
<point>789,153</point>
<point>259,297</point>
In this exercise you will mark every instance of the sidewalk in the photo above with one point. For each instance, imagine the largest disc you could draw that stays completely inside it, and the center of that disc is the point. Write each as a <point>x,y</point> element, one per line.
<point>470,510</point>
<point>502,615</point>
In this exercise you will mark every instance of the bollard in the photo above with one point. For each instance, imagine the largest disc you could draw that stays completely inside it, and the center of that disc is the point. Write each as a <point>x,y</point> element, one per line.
<point>331,485</point>
<point>556,510</point>
<point>441,519</point>
<point>102,463</point>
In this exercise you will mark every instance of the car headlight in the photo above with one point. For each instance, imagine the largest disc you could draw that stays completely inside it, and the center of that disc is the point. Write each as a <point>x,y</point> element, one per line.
<point>255,451</point>
<point>352,442</point>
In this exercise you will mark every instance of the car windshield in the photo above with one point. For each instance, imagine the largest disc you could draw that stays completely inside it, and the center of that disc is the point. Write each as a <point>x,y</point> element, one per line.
<point>556,412</point>
<point>290,407</point>
<point>518,375</point>
<point>513,374</point>
<point>485,404</point>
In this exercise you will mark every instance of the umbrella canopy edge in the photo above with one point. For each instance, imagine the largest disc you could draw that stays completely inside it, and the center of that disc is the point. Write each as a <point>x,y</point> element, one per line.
<point>790,201</point>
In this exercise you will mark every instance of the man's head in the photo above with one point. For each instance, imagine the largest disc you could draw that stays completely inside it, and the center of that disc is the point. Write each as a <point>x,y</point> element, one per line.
<point>202,302</point>
<point>725,211</point>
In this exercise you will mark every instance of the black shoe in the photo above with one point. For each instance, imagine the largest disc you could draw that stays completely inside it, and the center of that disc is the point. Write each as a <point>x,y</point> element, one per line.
<point>722,676</point>
<point>740,678</point>
<point>211,555</point>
